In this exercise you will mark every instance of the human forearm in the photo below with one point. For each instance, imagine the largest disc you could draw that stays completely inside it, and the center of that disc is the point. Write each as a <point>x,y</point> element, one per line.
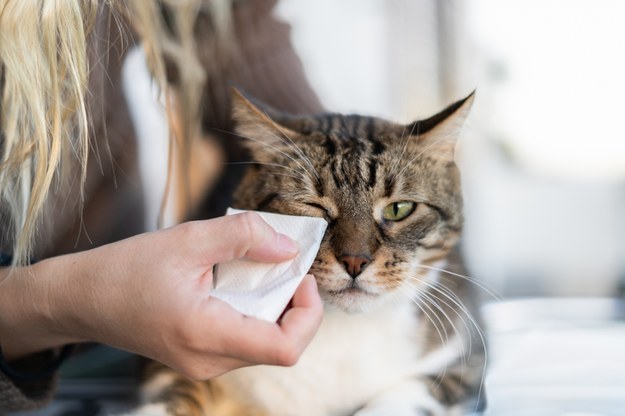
<point>34,301</point>
<point>150,294</point>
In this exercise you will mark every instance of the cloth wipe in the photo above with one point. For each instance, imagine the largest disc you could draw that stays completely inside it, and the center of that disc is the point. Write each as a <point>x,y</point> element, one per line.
<point>263,290</point>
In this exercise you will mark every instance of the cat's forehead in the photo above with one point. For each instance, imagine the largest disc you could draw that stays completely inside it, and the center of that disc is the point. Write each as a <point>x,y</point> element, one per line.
<point>350,140</point>
<point>349,130</point>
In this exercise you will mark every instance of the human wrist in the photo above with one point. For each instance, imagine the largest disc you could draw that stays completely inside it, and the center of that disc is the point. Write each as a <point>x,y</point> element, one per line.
<point>34,308</point>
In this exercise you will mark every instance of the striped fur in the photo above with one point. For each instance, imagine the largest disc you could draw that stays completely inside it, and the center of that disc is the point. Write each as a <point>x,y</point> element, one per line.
<point>399,338</point>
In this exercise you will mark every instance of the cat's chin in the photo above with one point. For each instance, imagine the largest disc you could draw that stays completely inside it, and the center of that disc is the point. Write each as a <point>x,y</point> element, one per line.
<point>351,300</point>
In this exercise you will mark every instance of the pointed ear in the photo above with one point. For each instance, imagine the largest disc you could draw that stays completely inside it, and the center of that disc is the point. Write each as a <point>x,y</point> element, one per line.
<point>255,124</point>
<point>441,131</point>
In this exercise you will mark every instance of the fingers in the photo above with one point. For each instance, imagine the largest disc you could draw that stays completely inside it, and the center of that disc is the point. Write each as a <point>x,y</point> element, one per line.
<point>246,235</point>
<point>307,294</point>
<point>261,342</point>
<point>301,321</point>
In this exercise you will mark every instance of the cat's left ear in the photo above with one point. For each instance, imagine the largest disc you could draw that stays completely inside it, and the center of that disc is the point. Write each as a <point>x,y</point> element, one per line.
<point>440,132</point>
<point>254,122</point>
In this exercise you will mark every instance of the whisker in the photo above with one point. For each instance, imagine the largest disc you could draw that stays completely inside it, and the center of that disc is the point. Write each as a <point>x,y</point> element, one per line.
<point>251,162</point>
<point>433,299</point>
<point>459,315</point>
<point>274,148</point>
<point>420,153</point>
<point>490,291</point>
<point>478,329</point>
<point>479,332</point>
<point>403,150</point>
<point>264,144</point>
<point>421,294</point>
<point>419,305</point>
<point>297,149</point>
<point>299,178</point>
<point>455,300</point>
<point>291,144</point>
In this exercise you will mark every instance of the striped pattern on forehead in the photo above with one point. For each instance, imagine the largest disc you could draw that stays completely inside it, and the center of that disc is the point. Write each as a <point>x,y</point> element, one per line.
<point>351,141</point>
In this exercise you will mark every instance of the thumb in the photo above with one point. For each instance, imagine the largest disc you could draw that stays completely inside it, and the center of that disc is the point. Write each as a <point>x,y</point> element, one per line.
<point>246,235</point>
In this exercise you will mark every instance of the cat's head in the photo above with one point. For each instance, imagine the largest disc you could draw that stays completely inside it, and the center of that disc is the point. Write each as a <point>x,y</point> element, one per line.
<point>390,193</point>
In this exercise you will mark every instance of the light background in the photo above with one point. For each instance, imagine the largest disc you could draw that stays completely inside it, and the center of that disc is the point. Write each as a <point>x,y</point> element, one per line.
<point>543,155</point>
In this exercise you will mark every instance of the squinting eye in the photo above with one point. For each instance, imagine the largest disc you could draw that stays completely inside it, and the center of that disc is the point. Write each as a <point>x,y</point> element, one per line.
<point>397,211</point>
<point>320,207</point>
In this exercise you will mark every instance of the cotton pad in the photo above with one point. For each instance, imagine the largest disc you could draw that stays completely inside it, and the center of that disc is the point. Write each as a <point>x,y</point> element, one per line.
<point>263,290</point>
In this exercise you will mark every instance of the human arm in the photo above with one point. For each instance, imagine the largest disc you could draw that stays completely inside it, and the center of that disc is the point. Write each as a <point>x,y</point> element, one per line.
<point>149,294</point>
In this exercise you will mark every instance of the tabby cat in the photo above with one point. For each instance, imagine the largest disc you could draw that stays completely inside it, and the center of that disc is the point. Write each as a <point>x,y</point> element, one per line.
<point>398,335</point>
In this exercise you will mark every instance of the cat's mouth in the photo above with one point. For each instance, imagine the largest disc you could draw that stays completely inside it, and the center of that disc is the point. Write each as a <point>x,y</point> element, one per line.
<point>352,289</point>
<point>352,297</point>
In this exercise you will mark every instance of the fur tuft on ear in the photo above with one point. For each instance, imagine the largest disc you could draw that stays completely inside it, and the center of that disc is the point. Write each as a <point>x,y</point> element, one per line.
<point>440,132</point>
<point>254,123</point>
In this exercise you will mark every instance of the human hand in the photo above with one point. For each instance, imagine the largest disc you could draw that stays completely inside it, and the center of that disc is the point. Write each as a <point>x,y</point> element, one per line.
<point>149,294</point>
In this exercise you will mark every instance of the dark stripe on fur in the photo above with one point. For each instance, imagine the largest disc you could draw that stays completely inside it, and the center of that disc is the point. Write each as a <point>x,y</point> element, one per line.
<point>370,129</point>
<point>373,167</point>
<point>336,173</point>
<point>378,146</point>
<point>266,201</point>
<point>449,389</point>
<point>329,145</point>
<point>389,186</point>
<point>327,123</point>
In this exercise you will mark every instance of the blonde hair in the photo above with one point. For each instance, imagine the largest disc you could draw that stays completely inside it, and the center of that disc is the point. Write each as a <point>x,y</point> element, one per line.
<point>44,69</point>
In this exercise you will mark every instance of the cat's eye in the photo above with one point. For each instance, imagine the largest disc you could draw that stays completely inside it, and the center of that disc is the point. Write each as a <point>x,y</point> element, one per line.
<point>397,211</point>
<point>320,207</point>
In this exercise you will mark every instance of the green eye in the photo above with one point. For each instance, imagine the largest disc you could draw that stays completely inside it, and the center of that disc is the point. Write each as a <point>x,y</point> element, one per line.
<point>397,211</point>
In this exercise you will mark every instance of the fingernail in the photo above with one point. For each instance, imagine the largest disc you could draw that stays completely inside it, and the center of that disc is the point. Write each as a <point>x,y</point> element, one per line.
<point>287,245</point>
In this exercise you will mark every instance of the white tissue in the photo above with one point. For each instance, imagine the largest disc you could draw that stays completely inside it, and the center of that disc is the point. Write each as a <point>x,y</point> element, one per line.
<point>263,290</point>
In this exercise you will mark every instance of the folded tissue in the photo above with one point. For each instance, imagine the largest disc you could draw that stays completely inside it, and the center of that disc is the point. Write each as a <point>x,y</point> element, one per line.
<point>263,290</point>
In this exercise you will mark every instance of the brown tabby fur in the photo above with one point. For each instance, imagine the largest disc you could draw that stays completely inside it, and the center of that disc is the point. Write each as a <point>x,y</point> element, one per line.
<point>346,169</point>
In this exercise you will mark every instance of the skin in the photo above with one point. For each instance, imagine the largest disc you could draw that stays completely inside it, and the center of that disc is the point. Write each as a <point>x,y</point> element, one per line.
<point>149,294</point>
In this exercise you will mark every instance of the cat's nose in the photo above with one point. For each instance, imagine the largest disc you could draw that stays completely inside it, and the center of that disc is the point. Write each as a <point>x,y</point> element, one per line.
<point>354,264</point>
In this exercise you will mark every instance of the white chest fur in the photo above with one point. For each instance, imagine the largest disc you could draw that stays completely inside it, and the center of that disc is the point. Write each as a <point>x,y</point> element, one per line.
<point>351,360</point>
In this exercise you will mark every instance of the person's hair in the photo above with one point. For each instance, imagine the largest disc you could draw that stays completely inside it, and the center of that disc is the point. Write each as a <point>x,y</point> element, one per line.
<point>44,69</point>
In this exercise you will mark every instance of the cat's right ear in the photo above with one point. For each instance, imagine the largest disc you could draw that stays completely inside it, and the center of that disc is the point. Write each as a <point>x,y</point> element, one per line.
<point>254,124</point>
<point>439,133</point>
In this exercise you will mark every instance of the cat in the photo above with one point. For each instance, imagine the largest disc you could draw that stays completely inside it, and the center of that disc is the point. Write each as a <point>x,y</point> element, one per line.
<point>400,335</point>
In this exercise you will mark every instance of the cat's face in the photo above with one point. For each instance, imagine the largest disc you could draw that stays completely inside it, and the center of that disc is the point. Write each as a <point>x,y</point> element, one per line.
<point>390,193</point>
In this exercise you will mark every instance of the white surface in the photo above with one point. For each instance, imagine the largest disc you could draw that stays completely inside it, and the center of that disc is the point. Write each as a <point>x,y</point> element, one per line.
<point>263,290</point>
<point>568,362</point>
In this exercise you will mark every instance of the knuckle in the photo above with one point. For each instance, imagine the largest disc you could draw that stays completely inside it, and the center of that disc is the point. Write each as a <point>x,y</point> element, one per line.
<point>186,230</point>
<point>187,334</point>
<point>249,223</point>
<point>249,226</point>
<point>287,356</point>
<point>184,334</point>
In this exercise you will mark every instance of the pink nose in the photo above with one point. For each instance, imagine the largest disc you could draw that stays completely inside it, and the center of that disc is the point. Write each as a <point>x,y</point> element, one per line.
<point>354,264</point>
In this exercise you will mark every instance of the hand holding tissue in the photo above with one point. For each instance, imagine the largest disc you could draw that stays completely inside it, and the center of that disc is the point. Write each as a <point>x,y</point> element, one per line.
<point>263,290</point>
